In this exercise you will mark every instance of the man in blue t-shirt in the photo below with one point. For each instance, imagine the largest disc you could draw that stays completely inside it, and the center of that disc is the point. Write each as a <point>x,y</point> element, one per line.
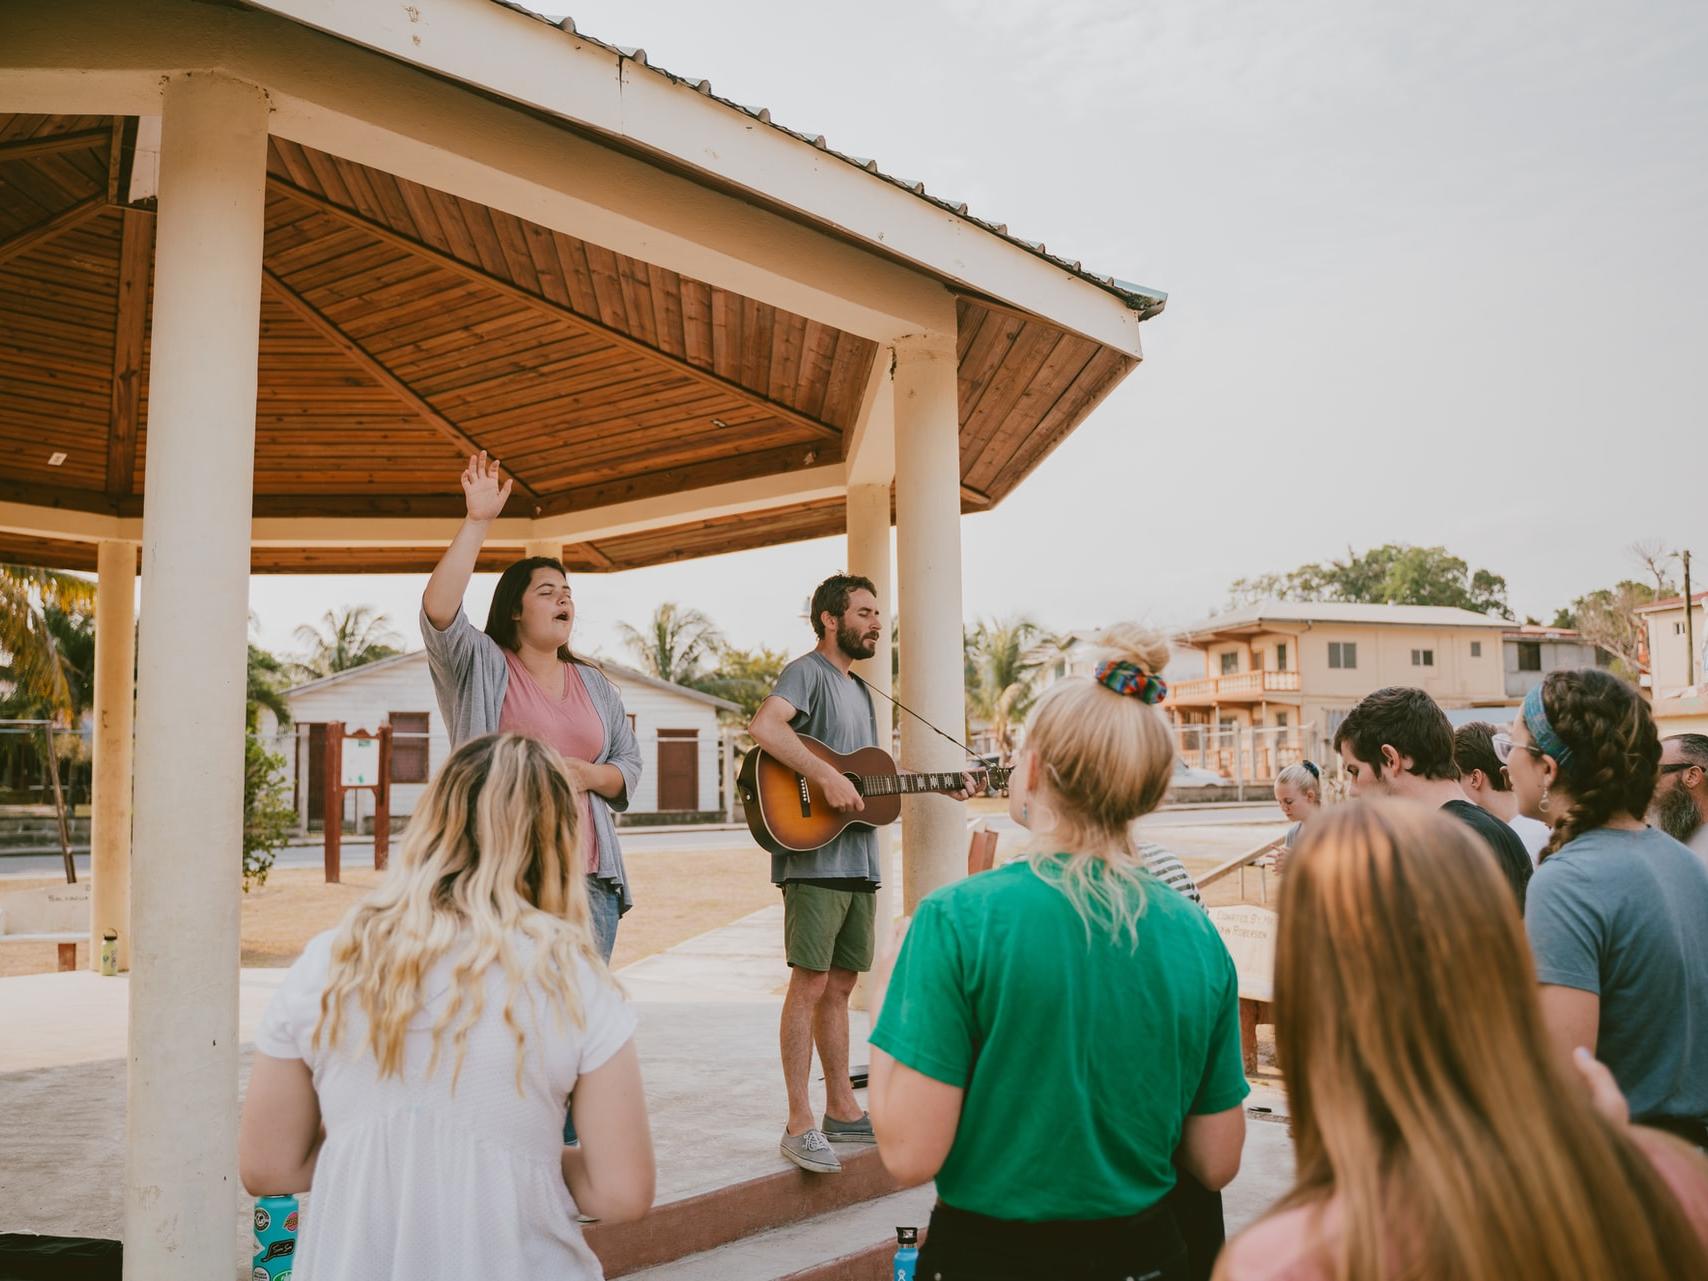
<point>829,906</point>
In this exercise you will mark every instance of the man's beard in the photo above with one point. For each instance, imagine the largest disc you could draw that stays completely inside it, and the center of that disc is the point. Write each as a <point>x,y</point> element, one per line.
<point>1674,812</point>
<point>855,646</point>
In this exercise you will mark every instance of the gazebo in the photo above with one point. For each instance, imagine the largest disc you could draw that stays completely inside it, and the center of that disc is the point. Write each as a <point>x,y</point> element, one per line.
<point>270,270</point>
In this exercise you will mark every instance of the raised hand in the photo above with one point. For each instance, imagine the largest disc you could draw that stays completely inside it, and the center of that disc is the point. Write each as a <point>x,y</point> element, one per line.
<point>481,489</point>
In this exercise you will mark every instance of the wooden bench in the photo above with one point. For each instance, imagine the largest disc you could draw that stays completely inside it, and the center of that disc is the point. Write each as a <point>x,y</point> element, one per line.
<point>1263,858</point>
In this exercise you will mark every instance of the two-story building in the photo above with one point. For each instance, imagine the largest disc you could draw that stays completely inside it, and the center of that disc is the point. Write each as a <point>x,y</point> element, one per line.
<point>1280,676</point>
<point>1678,663</point>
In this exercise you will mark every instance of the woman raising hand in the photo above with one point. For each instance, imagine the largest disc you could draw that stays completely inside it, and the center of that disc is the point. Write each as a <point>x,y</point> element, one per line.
<point>519,676</point>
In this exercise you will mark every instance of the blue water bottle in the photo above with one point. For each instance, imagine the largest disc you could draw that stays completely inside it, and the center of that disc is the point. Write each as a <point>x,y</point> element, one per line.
<point>907,1254</point>
<point>275,1238</point>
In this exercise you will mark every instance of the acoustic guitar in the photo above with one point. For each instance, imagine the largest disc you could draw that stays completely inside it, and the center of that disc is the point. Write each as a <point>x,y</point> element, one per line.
<point>787,812</point>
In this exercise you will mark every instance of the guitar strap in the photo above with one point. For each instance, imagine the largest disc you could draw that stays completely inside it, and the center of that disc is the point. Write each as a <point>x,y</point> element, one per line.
<point>871,689</point>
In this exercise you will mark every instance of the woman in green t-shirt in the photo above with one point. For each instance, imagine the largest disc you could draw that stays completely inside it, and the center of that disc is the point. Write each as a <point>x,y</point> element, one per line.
<point>1060,1032</point>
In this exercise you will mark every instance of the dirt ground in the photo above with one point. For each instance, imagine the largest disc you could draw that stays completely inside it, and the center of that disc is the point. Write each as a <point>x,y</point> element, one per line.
<point>678,895</point>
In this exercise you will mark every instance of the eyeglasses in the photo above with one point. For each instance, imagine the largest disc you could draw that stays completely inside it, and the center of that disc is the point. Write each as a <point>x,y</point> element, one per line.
<point>1676,766</point>
<point>1504,747</point>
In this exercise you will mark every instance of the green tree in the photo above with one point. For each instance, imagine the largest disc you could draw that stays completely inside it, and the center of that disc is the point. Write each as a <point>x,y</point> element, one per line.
<point>346,638</point>
<point>1608,618</point>
<point>269,676</point>
<point>1393,574</point>
<point>268,816</point>
<point>743,676</point>
<point>41,610</point>
<point>1002,674</point>
<point>676,644</point>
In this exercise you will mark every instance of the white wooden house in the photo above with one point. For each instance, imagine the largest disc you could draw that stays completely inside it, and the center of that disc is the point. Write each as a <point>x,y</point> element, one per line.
<point>677,729</point>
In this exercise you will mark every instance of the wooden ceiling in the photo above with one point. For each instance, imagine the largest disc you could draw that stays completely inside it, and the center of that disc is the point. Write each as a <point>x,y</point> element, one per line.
<point>402,327</point>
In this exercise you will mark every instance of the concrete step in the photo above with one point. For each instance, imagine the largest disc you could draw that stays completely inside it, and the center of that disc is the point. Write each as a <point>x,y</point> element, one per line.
<point>856,1243</point>
<point>703,1222</point>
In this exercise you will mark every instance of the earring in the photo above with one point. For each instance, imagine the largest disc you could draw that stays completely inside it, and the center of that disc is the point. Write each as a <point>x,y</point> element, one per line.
<point>1543,803</point>
<point>1025,810</point>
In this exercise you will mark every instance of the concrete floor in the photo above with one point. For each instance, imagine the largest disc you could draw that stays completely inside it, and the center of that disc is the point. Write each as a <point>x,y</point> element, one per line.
<point>708,1033</point>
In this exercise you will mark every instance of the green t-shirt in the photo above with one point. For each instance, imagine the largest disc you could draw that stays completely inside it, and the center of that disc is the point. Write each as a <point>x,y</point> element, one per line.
<point>1080,1058</point>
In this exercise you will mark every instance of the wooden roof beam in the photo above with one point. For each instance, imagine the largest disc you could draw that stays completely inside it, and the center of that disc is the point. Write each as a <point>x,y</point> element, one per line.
<point>136,254</point>
<point>372,366</point>
<point>41,232</point>
<point>593,554</point>
<point>25,148</point>
<point>556,311</point>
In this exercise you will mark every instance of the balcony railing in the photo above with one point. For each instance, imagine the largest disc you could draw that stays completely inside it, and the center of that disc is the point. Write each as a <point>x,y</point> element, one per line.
<point>1235,685</point>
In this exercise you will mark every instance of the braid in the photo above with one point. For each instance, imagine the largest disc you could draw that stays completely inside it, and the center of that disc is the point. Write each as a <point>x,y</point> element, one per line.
<point>1615,750</point>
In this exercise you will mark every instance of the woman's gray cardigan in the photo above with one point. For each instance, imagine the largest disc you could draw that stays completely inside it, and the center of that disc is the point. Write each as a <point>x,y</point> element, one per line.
<point>469,678</point>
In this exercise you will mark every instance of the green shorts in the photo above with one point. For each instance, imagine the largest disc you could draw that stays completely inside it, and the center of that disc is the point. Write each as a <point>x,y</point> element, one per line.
<point>828,929</point>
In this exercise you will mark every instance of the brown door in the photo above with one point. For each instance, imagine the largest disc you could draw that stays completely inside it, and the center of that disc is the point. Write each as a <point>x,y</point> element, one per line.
<point>316,773</point>
<point>678,769</point>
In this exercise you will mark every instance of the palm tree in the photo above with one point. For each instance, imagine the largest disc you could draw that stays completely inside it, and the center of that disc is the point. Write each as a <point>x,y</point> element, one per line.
<point>1002,673</point>
<point>33,661</point>
<point>347,638</point>
<point>267,679</point>
<point>676,644</point>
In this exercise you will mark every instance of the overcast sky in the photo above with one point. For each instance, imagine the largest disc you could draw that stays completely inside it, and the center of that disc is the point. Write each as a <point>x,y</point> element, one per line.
<point>1436,274</point>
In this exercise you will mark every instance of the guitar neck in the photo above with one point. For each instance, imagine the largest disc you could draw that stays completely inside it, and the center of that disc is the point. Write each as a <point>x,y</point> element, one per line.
<point>915,784</point>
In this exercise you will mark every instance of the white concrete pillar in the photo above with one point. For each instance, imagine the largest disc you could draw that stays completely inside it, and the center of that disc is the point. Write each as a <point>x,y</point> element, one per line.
<point>928,555</point>
<point>552,547</point>
<point>869,554</point>
<point>181,1185</point>
<point>115,695</point>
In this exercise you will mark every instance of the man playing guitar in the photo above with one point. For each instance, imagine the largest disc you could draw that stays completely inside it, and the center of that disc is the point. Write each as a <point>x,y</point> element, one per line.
<point>829,903</point>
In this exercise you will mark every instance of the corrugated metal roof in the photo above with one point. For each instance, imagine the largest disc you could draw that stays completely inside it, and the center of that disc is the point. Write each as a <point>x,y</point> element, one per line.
<point>1147,302</point>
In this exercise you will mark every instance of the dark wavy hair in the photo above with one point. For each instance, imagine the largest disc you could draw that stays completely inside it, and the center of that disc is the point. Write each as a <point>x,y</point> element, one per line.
<point>507,602</point>
<point>1473,748</point>
<point>1407,720</point>
<point>1615,750</point>
<point>831,597</point>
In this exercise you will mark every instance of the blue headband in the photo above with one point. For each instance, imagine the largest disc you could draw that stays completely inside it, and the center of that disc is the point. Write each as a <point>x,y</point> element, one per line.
<point>1536,721</point>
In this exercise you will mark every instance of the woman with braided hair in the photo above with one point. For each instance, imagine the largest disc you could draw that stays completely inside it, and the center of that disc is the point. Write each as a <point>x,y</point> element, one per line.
<point>1063,1032</point>
<point>1617,913</point>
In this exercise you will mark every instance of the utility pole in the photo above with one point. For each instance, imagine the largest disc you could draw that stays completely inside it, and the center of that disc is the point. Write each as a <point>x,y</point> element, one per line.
<point>1689,626</point>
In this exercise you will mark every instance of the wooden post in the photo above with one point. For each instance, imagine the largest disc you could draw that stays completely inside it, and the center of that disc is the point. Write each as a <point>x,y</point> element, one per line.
<point>333,807</point>
<point>59,806</point>
<point>382,803</point>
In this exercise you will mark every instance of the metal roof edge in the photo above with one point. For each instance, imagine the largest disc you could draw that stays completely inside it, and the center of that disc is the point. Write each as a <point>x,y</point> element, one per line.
<point>1147,302</point>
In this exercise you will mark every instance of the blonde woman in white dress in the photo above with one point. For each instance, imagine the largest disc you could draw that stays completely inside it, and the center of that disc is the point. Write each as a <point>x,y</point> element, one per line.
<point>413,1069</point>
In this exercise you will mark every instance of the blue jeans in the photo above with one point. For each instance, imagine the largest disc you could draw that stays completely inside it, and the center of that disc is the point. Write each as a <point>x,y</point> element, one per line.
<point>605,906</point>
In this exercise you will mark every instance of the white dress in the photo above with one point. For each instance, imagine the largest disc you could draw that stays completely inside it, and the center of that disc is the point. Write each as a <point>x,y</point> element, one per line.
<point>415,1181</point>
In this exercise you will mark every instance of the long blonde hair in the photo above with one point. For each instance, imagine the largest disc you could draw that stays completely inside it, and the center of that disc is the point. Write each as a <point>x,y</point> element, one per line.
<point>1107,759</point>
<point>490,856</point>
<point>1427,1100</point>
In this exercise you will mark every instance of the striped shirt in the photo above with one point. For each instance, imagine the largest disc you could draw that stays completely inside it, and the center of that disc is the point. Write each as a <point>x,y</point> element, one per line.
<point>1169,870</point>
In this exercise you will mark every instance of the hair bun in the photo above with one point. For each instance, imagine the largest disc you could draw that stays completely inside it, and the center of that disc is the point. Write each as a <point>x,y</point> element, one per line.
<point>1144,647</point>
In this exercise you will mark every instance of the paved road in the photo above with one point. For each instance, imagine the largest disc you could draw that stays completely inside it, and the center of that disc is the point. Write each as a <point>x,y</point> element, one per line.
<point>358,853</point>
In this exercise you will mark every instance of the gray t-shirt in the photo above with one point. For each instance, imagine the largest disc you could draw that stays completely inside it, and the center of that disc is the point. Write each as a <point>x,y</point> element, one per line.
<point>1625,915</point>
<point>837,711</point>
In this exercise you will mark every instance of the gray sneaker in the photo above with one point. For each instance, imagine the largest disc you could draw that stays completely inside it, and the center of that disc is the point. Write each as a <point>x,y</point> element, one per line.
<point>849,1131</point>
<point>811,1152</point>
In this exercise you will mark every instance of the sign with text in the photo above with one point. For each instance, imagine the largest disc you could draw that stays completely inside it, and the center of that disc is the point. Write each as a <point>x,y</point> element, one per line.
<point>361,765</point>
<point>1249,933</point>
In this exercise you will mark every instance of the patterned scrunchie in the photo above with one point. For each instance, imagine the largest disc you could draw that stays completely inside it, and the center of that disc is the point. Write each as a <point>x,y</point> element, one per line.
<point>1132,680</point>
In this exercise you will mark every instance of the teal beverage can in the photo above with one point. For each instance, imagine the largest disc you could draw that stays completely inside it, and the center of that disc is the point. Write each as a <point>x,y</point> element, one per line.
<point>907,1254</point>
<point>275,1238</point>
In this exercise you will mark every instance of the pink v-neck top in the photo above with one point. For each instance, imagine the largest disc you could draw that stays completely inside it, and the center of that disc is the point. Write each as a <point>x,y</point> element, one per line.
<point>564,718</point>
